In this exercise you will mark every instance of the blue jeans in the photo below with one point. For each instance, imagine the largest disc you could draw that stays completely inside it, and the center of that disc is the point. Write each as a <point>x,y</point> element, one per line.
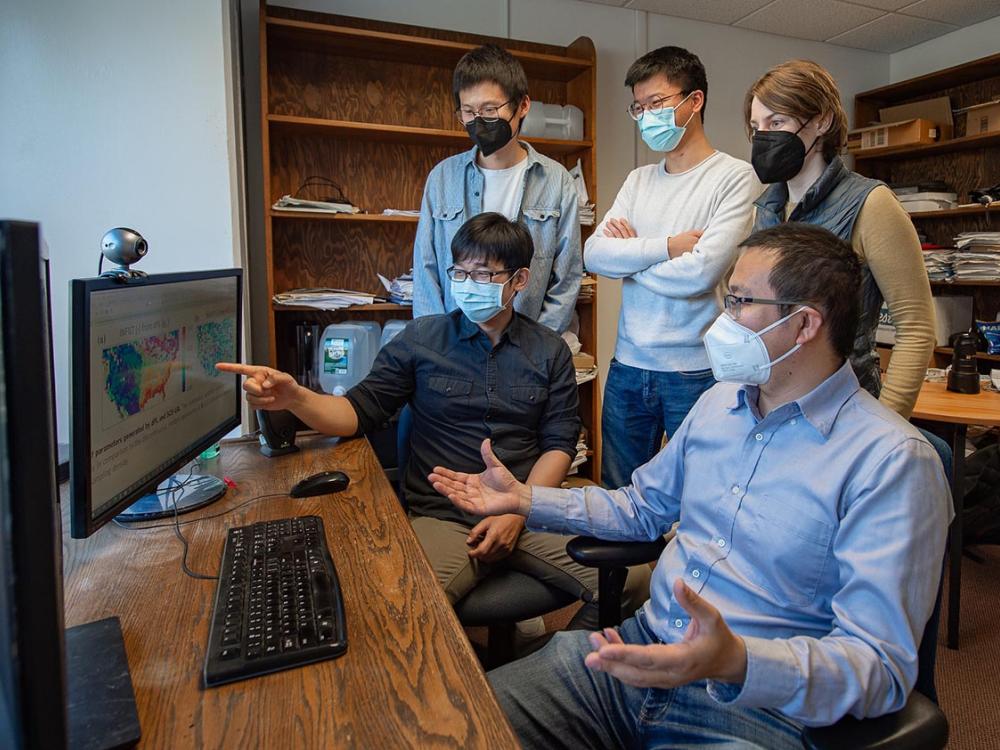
<point>554,701</point>
<point>639,406</point>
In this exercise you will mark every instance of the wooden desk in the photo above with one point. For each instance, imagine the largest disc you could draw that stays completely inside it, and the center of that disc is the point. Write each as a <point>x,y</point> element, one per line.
<point>409,677</point>
<point>936,403</point>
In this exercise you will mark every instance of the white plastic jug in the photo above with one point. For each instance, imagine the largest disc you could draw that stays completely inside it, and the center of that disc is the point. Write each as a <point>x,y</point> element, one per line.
<point>374,338</point>
<point>392,329</point>
<point>342,357</point>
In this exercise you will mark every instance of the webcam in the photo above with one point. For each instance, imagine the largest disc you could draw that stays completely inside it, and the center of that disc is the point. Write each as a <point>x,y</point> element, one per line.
<point>124,247</point>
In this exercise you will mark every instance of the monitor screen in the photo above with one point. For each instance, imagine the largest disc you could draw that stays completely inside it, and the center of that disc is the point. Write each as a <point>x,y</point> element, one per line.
<point>31,621</point>
<point>146,397</point>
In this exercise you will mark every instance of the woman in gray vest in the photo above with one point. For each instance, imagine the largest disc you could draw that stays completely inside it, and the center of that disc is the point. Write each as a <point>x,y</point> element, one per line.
<point>798,126</point>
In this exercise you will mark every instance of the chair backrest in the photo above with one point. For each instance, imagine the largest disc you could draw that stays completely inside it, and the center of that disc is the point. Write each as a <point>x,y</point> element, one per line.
<point>404,431</point>
<point>927,651</point>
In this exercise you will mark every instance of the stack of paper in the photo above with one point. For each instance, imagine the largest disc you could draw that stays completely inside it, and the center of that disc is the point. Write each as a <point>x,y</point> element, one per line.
<point>288,203</point>
<point>978,256</point>
<point>582,376</point>
<point>581,453</point>
<point>587,217</point>
<point>400,289</point>
<point>325,299</point>
<point>939,263</point>
<point>401,212</point>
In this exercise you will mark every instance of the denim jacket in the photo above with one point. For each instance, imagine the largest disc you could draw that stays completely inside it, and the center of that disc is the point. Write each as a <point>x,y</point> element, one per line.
<point>549,209</point>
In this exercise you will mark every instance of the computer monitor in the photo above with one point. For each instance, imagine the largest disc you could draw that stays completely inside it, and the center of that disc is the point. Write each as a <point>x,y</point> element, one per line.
<point>32,676</point>
<point>145,396</point>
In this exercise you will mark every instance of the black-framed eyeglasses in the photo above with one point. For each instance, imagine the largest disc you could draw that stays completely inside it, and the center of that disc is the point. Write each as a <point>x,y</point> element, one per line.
<point>734,304</point>
<point>637,110</point>
<point>480,277</point>
<point>489,113</point>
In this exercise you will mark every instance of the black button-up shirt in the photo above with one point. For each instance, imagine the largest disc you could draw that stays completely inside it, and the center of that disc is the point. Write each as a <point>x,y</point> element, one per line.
<point>522,394</point>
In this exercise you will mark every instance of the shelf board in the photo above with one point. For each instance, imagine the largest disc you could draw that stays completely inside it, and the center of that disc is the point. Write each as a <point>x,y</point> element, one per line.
<point>406,134</point>
<point>948,351</point>
<point>308,215</point>
<point>964,143</point>
<point>947,213</point>
<point>375,307</point>
<point>933,83</point>
<point>381,45</point>
<point>966,283</point>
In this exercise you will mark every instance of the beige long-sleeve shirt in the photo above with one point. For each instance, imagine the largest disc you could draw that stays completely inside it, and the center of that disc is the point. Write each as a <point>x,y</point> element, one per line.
<point>884,239</point>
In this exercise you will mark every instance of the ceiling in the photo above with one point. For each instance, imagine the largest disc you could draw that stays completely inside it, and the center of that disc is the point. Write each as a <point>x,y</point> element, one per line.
<point>877,25</point>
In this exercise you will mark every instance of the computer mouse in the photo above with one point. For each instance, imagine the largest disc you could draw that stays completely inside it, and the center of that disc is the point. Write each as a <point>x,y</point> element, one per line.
<point>324,483</point>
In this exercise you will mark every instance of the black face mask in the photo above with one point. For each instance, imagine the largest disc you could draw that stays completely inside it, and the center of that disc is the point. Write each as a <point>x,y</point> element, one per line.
<point>490,137</point>
<point>778,155</point>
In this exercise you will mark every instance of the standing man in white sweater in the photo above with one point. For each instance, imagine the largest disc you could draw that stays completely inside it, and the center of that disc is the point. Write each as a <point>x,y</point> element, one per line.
<point>671,236</point>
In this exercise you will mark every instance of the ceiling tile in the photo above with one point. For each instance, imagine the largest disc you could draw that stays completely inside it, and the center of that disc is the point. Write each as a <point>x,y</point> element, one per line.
<point>808,19</point>
<point>958,12</point>
<point>882,4</point>
<point>714,11</point>
<point>607,2</point>
<point>891,33</point>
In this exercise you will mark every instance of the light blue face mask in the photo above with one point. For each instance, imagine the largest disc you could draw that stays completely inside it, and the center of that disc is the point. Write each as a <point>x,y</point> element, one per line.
<point>479,302</point>
<point>659,130</point>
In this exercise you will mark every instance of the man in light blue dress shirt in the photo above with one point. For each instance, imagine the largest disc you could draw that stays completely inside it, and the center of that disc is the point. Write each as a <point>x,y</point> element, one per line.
<point>807,558</point>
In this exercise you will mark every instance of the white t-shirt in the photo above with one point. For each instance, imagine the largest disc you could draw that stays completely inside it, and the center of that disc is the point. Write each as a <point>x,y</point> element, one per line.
<point>503,189</point>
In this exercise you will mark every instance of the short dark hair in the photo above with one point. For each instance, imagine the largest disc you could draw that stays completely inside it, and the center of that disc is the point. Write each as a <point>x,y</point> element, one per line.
<point>494,64</point>
<point>815,266</point>
<point>677,64</point>
<point>492,237</point>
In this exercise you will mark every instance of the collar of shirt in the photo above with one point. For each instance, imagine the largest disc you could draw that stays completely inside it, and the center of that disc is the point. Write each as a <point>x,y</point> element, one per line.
<point>468,330</point>
<point>820,406</point>
<point>469,157</point>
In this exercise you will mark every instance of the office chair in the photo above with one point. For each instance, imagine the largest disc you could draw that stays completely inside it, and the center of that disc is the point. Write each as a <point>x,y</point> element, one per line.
<point>503,598</point>
<point>919,725</point>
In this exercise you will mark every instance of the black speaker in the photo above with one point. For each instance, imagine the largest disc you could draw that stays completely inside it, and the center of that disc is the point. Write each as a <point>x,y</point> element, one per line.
<point>277,432</point>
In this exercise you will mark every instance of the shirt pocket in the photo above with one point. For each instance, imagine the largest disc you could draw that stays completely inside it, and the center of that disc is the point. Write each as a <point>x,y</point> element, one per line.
<point>791,551</point>
<point>543,224</point>
<point>449,387</point>
<point>529,401</point>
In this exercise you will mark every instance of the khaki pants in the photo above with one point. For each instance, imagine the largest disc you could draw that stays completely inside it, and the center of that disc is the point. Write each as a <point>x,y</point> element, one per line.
<point>540,555</point>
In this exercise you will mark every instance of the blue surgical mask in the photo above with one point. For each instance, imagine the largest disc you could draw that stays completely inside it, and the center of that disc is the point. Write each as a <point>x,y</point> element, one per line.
<point>479,302</point>
<point>659,130</point>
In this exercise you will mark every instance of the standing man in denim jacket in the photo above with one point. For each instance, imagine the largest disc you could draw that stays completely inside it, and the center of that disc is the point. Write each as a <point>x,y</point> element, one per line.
<point>501,174</point>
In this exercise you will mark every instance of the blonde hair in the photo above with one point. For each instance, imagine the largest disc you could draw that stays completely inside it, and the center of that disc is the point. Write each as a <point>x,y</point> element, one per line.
<point>802,89</point>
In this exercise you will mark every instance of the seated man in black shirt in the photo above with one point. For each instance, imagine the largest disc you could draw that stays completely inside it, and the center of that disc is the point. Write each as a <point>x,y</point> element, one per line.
<point>481,371</point>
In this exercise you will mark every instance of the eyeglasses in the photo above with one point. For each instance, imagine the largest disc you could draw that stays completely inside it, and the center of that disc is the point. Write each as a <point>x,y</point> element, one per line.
<point>734,304</point>
<point>489,113</point>
<point>480,277</point>
<point>636,110</point>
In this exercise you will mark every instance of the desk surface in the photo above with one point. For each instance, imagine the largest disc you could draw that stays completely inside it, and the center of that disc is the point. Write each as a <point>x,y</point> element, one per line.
<point>936,403</point>
<point>409,677</point>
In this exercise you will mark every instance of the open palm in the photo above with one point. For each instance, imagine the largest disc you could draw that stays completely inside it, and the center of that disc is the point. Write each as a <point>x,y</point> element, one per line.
<point>493,492</point>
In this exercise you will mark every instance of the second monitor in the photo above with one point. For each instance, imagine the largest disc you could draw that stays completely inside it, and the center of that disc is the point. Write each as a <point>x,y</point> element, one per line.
<point>146,397</point>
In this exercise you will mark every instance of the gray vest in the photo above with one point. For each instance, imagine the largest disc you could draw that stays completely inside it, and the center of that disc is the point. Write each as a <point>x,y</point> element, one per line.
<point>833,202</point>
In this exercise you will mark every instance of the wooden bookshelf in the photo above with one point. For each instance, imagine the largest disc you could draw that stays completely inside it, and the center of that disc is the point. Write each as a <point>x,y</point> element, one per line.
<point>966,162</point>
<point>368,104</point>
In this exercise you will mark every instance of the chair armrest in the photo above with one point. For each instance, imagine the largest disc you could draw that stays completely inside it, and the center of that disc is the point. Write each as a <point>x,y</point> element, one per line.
<point>919,725</point>
<point>600,553</point>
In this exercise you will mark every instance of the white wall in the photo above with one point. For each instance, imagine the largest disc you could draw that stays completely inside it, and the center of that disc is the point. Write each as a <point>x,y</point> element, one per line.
<point>115,113</point>
<point>979,40</point>
<point>733,59</point>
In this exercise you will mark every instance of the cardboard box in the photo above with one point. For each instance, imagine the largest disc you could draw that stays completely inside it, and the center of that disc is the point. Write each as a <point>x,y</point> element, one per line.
<point>937,110</point>
<point>583,361</point>
<point>982,118</point>
<point>891,134</point>
<point>951,315</point>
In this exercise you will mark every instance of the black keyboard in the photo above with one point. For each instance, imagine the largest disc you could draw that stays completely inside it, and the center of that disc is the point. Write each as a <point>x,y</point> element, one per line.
<point>278,603</point>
